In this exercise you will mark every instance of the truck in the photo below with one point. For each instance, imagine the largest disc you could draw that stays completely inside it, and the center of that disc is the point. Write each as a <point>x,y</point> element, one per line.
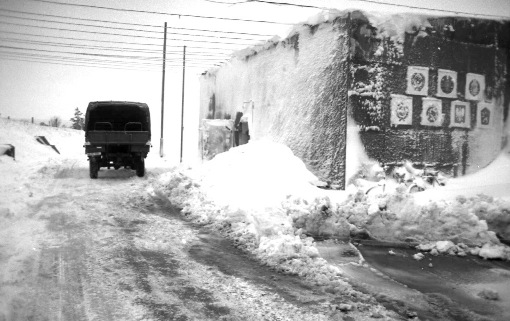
<point>117,134</point>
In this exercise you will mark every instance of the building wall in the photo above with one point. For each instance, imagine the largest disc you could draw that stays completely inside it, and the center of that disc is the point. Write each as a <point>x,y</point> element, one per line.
<point>302,91</point>
<point>459,45</point>
<point>294,92</point>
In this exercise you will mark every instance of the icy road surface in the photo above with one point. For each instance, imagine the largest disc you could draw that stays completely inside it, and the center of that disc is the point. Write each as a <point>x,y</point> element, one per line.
<point>443,287</point>
<point>73,248</point>
<point>98,250</point>
<point>104,250</point>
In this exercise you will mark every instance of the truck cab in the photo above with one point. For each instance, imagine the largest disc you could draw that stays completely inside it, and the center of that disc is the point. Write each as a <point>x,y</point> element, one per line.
<point>117,133</point>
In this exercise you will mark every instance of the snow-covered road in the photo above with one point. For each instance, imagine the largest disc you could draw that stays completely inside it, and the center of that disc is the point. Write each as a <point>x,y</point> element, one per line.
<point>73,248</point>
<point>117,248</point>
<point>104,250</point>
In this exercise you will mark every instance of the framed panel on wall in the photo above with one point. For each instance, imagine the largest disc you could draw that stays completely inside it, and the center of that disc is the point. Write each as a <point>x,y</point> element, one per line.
<point>460,114</point>
<point>432,112</point>
<point>401,110</point>
<point>475,86</point>
<point>446,83</point>
<point>417,81</point>
<point>485,115</point>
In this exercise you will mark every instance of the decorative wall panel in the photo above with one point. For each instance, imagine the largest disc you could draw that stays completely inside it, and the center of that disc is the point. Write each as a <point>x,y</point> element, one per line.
<point>485,115</point>
<point>432,112</point>
<point>401,110</point>
<point>446,83</point>
<point>460,114</point>
<point>417,81</point>
<point>475,86</point>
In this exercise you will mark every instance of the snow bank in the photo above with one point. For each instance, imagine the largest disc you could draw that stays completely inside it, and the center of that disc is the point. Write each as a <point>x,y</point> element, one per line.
<point>493,180</point>
<point>34,158</point>
<point>268,202</point>
<point>22,136</point>
<point>246,193</point>
<point>256,175</point>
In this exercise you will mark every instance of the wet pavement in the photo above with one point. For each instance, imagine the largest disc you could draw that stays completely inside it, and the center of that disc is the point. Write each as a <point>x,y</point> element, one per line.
<point>440,287</point>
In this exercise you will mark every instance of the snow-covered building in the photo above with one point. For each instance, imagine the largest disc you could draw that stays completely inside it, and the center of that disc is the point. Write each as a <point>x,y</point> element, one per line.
<point>432,90</point>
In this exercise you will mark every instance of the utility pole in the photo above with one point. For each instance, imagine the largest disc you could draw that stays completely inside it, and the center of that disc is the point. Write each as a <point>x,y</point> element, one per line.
<point>163,96</point>
<point>182,109</point>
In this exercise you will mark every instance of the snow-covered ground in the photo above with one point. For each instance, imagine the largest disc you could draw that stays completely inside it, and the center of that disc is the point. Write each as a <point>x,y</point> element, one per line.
<point>270,203</point>
<point>265,199</point>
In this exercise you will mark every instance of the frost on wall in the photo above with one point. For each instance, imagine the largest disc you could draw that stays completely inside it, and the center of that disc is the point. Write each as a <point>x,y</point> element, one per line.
<point>302,90</point>
<point>367,95</point>
<point>297,88</point>
<point>447,62</point>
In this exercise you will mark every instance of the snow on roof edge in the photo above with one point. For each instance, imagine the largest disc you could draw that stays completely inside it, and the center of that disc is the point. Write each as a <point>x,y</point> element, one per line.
<point>393,25</point>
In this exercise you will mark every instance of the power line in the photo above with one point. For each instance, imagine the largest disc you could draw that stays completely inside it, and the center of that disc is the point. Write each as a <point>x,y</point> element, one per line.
<point>79,19</point>
<point>83,53</point>
<point>76,30</point>
<point>289,4</point>
<point>122,35</point>
<point>98,61</point>
<point>95,65</point>
<point>79,39</point>
<point>108,41</point>
<point>123,49</point>
<point>63,44</point>
<point>56,61</point>
<point>434,9</point>
<point>132,24</point>
<point>390,4</point>
<point>142,58</point>
<point>160,13</point>
<point>77,59</point>
<point>75,23</point>
<point>231,3</point>
<point>119,28</point>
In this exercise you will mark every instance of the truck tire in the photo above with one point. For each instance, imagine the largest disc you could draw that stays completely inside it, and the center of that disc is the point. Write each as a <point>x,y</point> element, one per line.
<point>93,168</point>
<point>140,167</point>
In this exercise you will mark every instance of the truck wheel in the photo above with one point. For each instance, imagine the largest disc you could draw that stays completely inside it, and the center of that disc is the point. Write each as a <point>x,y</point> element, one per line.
<point>93,168</point>
<point>140,167</point>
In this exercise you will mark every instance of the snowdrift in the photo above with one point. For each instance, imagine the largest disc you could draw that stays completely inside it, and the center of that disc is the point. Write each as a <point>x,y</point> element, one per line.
<point>264,198</point>
<point>35,158</point>
<point>493,180</point>
<point>23,136</point>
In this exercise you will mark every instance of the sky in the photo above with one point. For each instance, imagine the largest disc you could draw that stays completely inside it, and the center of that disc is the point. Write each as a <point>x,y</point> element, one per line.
<point>52,60</point>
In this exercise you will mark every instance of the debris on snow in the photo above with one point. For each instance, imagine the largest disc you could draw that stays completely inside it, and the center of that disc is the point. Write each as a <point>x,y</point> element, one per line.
<point>488,294</point>
<point>489,250</point>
